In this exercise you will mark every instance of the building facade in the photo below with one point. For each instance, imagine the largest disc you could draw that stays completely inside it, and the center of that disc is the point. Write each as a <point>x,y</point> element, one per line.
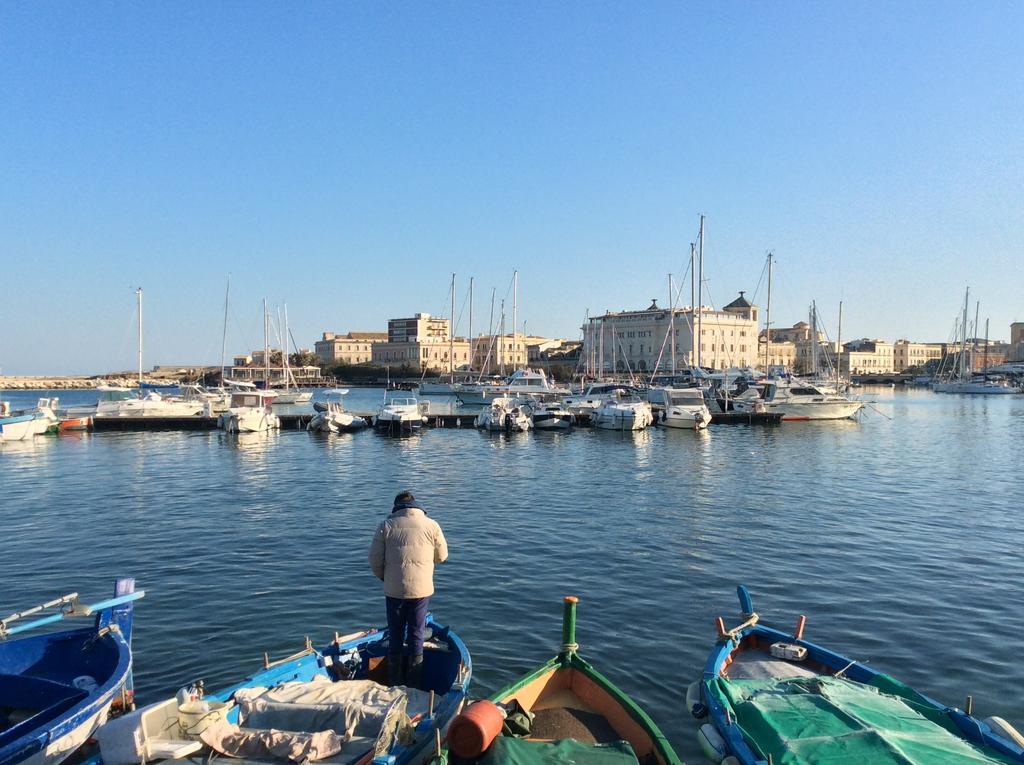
<point>350,348</point>
<point>1016,349</point>
<point>640,341</point>
<point>907,354</point>
<point>422,327</point>
<point>423,354</point>
<point>867,357</point>
<point>494,353</point>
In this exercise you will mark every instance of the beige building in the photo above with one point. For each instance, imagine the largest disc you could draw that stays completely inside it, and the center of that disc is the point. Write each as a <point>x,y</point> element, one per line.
<point>422,327</point>
<point>493,353</point>
<point>350,348</point>
<point>728,338</point>
<point>907,354</point>
<point>1016,350</point>
<point>422,341</point>
<point>423,354</point>
<point>867,357</point>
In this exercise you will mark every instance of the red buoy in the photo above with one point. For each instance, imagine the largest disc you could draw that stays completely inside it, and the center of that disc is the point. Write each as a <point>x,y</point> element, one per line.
<point>472,732</point>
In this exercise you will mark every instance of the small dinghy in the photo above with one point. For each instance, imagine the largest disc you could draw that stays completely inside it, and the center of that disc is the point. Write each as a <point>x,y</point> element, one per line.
<point>332,705</point>
<point>57,688</point>
<point>772,696</point>
<point>331,416</point>
<point>565,711</point>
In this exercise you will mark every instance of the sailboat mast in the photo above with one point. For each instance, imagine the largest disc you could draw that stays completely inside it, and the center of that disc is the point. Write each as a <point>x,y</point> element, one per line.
<point>814,339</point>
<point>974,339</point>
<point>138,298</point>
<point>501,343</point>
<point>451,335</point>
<point>600,350</point>
<point>984,363</point>
<point>839,344</point>
<point>963,338</point>
<point>700,294</point>
<point>224,332</point>
<point>768,316</point>
<point>266,346</point>
<point>470,333</point>
<point>515,305</point>
<point>286,366</point>
<point>672,318</point>
<point>693,299</point>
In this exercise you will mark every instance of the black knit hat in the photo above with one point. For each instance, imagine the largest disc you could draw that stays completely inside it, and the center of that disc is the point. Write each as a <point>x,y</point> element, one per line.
<point>404,497</point>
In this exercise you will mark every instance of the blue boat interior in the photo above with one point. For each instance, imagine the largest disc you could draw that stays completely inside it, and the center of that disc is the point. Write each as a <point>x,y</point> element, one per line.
<point>446,672</point>
<point>44,676</point>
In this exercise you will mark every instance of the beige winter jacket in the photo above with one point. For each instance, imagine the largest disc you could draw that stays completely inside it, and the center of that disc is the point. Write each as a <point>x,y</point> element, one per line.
<point>404,551</point>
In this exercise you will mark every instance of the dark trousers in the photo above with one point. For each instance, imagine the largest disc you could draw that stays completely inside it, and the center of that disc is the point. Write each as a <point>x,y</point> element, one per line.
<point>406,618</point>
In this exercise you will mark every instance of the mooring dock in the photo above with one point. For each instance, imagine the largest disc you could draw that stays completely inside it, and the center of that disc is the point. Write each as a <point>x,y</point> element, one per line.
<point>299,421</point>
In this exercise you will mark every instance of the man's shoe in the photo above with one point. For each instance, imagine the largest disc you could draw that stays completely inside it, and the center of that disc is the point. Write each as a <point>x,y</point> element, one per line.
<point>414,676</point>
<point>396,675</point>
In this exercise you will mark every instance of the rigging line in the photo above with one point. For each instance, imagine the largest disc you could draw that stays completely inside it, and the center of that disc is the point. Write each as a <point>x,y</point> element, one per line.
<point>760,279</point>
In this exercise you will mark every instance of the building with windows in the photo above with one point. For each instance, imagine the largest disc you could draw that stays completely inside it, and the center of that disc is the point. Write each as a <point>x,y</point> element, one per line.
<point>867,357</point>
<point>907,354</point>
<point>1016,350</point>
<point>640,341</point>
<point>494,353</point>
<point>350,348</point>
<point>422,342</point>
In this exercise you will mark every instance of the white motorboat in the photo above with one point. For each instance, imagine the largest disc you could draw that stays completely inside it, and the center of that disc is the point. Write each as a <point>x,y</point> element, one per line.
<point>797,400</point>
<point>293,397</point>
<point>552,416</point>
<point>505,415</point>
<point>680,407</point>
<point>16,426</point>
<point>331,416</point>
<point>250,412</point>
<point>439,388</point>
<point>624,411</point>
<point>46,418</point>
<point>401,414</point>
<point>523,382</point>
<point>595,395</point>
<point>125,402</point>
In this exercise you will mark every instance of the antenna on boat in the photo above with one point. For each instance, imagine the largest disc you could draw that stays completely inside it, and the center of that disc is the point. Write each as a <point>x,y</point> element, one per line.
<point>224,331</point>
<point>138,297</point>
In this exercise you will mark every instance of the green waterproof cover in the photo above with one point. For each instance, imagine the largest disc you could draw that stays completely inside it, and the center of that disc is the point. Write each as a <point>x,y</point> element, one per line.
<point>507,750</point>
<point>835,721</point>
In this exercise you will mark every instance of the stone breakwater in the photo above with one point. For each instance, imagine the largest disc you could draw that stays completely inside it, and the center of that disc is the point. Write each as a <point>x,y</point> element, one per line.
<point>67,383</point>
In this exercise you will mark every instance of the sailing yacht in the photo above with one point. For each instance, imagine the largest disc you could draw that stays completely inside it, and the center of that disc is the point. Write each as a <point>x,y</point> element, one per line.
<point>961,379</point>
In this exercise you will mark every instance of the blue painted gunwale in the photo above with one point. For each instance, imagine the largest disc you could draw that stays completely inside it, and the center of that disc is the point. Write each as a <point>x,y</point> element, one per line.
<point>974,730</point>
<point>50,730</point>
<point>371,645</point>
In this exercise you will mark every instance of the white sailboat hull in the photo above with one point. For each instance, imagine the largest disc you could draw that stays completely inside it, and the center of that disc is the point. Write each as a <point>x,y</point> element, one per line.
<point>975,388</point>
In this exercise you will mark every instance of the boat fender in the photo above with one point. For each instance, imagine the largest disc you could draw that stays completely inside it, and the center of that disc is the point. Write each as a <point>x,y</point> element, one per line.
<point>693,701</point>
<point>471,733</point>
<point>711,742</point>
<point>1002,728</point>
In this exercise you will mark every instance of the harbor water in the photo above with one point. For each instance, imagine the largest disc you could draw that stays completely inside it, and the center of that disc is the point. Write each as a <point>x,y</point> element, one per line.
<point>898,535</point>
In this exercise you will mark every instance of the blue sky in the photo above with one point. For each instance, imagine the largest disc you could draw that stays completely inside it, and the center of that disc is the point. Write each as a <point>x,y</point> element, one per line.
<point>346,158</point>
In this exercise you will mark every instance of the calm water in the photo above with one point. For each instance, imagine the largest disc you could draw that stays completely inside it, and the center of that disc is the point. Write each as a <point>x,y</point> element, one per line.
<point>900,539</point>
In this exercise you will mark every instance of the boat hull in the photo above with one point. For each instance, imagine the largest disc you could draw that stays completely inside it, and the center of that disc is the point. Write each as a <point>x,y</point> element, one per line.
<point>839,410</point>
<point>253,421</point>
<point>729,658</point>
<point>19,428</point>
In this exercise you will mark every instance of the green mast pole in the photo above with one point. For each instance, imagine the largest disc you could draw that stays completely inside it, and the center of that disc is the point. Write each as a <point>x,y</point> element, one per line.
<point>569,645</point>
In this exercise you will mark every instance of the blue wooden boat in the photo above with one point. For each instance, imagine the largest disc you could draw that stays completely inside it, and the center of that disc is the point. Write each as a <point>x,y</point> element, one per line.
<point>307,695</point>
<point>773,697</point>
<point>56,688</point>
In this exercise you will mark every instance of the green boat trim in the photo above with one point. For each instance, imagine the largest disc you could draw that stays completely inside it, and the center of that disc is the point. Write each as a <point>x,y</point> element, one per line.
<point>569,661</point>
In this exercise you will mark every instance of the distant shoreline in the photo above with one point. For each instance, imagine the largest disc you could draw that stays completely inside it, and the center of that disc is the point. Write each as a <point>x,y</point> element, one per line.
<point>54,382</point>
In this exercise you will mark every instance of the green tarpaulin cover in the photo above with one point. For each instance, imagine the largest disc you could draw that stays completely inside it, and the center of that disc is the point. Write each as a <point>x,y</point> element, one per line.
<point>835,721</point>
<point>507,750</point>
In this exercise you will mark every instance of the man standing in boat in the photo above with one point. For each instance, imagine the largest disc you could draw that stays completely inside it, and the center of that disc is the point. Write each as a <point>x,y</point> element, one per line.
<point>403,553</point>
